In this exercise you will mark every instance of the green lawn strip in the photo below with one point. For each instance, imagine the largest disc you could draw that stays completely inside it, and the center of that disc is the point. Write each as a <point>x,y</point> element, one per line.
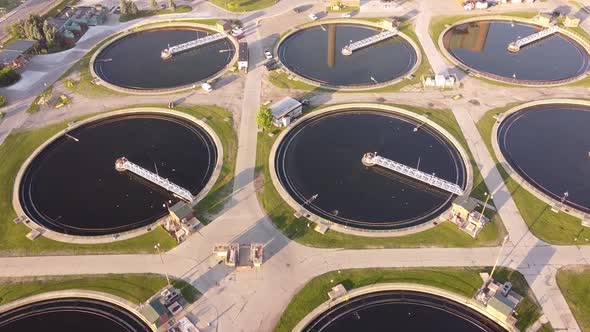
<point>555,228</point>
<point>461,281</point>
<point>243,5</point>
<point>136,288</point>
<point>574,284</point>
<point>154,12</point>
<point>281,79</point>
<point>189,292</point>
<point>444,235</point>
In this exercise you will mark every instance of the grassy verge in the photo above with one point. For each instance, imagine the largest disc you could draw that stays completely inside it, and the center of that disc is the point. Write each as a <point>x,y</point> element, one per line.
<point>154,12</point>
<point>555,228</point>
<point>574,283</point>
<point>221,121</point>
<point>281,79</point>
<point>461,281</point>
<point>444,235</point>
<point>136,288</point>
<point>243,5</point>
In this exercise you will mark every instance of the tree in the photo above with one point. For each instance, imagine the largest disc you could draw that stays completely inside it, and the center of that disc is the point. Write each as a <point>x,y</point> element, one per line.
<point>132,9</point>
<point>264,118</point>
<point>2,103</point>
<point>171,4</point>
<point>123,7</point>
<point>8,76</point>
<point>51,36</point>
<point>154,4</point>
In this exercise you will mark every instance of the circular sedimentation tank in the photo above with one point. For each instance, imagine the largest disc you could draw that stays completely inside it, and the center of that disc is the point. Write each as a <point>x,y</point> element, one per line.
<point>134,61</point>
<point>401,310</point>
<point>319,165</point>
<point>72,314</point>
<point>549,146</point>
<point>483,46</point>
<point>315,53</point>
<point>72,186</point>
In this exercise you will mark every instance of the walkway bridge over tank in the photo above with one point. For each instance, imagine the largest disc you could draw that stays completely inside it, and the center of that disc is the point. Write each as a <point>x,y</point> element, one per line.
<point>372,159</point>
<point>516,46</point>
<point>122,164</point>
<point>171,50</point>
<point>348,49</point>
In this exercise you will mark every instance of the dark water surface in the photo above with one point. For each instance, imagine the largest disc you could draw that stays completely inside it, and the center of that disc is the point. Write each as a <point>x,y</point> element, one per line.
<point>549,145</point>
<point>322,155</point>
<point>73,187</point>
<point>401,311</point>
<point>316,53</point>
<point>483,45</point>
<point>69,315</point>
<point>134,61</point>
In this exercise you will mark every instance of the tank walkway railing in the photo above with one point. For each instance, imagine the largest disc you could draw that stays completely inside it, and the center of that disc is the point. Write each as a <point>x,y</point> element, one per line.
<point>515,46</point>
<point>122,164</point>
<point>170,51</point>
<point>371,159</point>
<point>348,49</point>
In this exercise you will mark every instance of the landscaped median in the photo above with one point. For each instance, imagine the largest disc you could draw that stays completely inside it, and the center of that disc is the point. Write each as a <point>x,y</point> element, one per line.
<point>555,228</point>
<point>19,145</point>
<point>135,288</point>
<point>444,234</point>
<point>574,283</point>
<point>463,282</point>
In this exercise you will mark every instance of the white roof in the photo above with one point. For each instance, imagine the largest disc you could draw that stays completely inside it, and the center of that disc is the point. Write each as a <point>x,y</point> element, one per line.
<point>283,107</point>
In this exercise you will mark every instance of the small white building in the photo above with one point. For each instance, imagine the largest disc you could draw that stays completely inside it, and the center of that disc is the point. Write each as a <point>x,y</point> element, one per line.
<point>284,111</point>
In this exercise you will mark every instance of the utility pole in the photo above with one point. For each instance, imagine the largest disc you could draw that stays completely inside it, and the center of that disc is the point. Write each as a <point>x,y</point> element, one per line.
<point>157,247</point>
<point>498,258</point>
<point>485,204</point>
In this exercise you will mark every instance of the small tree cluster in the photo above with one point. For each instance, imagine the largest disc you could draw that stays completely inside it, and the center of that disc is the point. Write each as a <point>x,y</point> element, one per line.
<point>8,76</point>
<point>2,104</point>
<point>128,7</point>
<point>154,4</point>
<point>264,118</point>
<point>35,28</point>
<point>171,5</point>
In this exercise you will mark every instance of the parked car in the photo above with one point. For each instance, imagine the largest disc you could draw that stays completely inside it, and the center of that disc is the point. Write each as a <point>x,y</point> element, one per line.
<point>271,64</point>
<point>237,32</point>
<point>268,55</point>
<point>349,14</point>
<point>312,16</point>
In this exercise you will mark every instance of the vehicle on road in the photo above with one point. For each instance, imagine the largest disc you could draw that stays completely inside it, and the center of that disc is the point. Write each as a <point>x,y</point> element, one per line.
<point>267,54</point>
<point>313,16</point>
<point>347,15</point>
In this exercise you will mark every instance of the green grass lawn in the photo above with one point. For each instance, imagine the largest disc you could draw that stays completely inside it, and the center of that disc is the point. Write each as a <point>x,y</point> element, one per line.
<point>19,145</point>
<point>555,228</point>
<point>243,5</point>
<point>136,288</point>
<point>462,281</point>
<point>444,235</point>
<point>154,12</point>
<point>574,283</point>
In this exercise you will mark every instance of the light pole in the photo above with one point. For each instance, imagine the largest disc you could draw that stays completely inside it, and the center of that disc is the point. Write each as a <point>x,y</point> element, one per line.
<point>485,204</point>
<point>498,257</point>
<point>157,247</point>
